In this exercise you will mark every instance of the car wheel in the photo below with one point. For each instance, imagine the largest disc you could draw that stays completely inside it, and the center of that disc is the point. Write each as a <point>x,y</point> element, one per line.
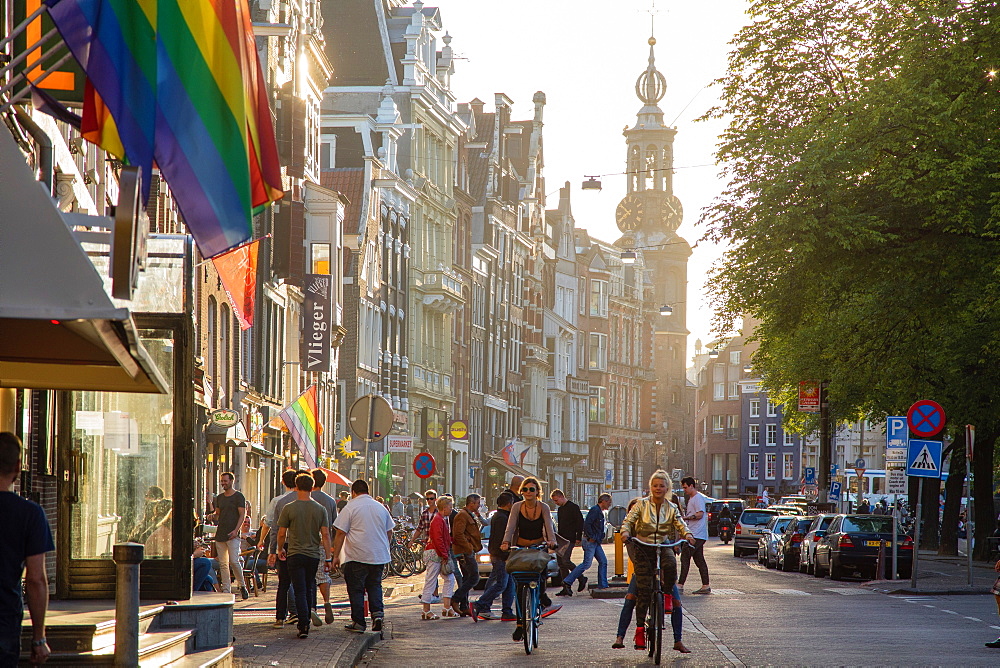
<point>786,565</point>
<point>767,561</point>
<point>803,566</point>
<point>737,552</point>
<point>836,573</point>
<point>817,569</point>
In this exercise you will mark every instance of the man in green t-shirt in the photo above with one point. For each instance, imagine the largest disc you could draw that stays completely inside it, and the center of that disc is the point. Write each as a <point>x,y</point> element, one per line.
<point>303,541</point>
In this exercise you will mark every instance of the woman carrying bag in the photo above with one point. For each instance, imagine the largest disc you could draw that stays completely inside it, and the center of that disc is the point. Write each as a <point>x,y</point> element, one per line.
<point>530,524</point>
<point>437,556</point>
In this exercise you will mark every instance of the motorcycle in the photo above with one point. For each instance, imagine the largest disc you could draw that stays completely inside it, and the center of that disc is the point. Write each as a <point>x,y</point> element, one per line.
<point>725,531</point>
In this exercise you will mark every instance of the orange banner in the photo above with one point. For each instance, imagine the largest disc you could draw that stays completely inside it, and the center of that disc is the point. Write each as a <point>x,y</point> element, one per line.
<point>238,271</point>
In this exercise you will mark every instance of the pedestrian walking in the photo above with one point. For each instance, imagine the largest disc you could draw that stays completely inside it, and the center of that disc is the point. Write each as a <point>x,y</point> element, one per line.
<point>304,542</point>
<point>342,500</point>
<point>515,487</point>
<point>697,521</point>
<point>467,541</point>
<point>361,551</point>
<point>422,532</point>
<point>284,601</point>
<point>27,537</point>
<point>569,532</point>
<point>230,509</point>
<point>437,556</point>
<point>530,524</point>
<point>323,579</point>
<point>499,582</point>
<point>593,537</point>
<point>995,644</point>
<point>653,520</point>
<point>628,608</point>
<point>398,509</point>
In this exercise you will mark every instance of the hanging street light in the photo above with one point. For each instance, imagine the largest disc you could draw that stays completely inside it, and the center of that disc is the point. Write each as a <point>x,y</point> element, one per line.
<point>629,257</point>
<point>666,309</point>
<point>591,183</point>
<point>713,354</point>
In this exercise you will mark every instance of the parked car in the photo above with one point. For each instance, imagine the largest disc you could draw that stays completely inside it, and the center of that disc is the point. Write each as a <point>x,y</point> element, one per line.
<point>715,507</point>
<point>790,543</point>
<point>794,499</point>
<point>767,542</point>
<point>816,531</point>
<point>486,566</point>
<point>749,528</point>
<point>789,509</point>
<point>851,544</point>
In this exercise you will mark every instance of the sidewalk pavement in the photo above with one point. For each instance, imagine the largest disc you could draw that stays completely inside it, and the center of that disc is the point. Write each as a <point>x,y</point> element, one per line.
<point>941,575</point>
<point>256,643</point>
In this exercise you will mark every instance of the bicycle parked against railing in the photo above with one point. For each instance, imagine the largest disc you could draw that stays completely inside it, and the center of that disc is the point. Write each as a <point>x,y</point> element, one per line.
<point>528,602</point>
<point>657,606</point>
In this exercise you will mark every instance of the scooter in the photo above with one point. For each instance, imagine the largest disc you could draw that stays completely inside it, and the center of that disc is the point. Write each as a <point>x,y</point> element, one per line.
<point>725,531</point>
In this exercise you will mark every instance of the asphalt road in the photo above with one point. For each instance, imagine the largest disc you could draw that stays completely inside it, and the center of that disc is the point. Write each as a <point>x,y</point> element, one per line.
<point>754,617</point>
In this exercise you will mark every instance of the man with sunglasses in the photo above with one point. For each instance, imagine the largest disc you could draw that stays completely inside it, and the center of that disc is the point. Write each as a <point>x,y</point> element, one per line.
<point>422,533</point>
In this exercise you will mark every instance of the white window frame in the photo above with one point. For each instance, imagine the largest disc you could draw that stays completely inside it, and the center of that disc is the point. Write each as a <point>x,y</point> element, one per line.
<point>601,361</point>
<point>789,438</point>
<point>770,466</point>
<point>788,466</point>
<point>754,435</point>
<point>771,438</point>
<point>755,408</point>
<point>718,425</point>
<point>772,409</point>
<point>753,466</point>
<point>719,391</point>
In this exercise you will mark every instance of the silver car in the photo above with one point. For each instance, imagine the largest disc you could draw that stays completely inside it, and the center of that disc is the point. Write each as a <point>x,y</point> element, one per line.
<point>769,540</point>
<point>807,561</point>
<point>749,528</point>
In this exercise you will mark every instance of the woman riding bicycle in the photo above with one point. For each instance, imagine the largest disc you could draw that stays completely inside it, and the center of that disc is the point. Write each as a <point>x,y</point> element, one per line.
<point>653,520</point>
<point>530,524</point>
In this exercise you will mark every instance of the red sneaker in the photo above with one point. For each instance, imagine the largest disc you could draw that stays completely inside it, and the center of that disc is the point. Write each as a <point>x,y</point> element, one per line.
<point>640,637</point>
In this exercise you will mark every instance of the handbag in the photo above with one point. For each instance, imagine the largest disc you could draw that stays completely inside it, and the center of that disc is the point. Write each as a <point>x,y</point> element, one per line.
<point>528,561</point>
<point>447,566</point>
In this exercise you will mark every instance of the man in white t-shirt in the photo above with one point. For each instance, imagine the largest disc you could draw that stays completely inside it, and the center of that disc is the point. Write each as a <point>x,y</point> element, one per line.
<point>696,516</point>
<point>364,529</point>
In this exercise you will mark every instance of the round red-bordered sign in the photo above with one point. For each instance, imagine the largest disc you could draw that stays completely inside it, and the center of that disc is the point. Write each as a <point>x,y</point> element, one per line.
<point>925,418</point>
<point>424,465</point>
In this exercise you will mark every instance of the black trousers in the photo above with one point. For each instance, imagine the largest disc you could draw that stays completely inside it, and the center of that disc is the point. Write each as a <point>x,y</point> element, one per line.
<point>698,552</point>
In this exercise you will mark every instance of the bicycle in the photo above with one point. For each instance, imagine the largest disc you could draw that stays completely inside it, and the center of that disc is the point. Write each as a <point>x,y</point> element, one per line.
<point>654,625</point>
<point>529,599</point>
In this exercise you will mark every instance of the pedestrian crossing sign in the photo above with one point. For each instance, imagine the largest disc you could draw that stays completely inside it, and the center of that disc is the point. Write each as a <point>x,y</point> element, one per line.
<point>923,458</point>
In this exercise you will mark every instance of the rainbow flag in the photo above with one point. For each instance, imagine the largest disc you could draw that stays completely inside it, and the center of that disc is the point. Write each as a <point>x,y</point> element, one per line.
<point>302,419</point>
<point>183,84</point>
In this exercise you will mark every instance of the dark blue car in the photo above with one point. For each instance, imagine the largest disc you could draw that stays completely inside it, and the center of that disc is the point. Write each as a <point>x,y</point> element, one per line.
<point>851,544</point>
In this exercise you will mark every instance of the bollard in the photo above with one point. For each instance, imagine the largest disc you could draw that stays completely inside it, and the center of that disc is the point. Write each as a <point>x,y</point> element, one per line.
<point>127,557</point>
<point>619,556</point>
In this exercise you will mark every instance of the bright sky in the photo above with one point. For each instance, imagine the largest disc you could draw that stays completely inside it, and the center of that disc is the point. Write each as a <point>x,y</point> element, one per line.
<point>585,56</point>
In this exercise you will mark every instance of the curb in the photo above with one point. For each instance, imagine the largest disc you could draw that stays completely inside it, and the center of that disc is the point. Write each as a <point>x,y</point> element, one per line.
<point>888,588</point>
<point>355,648</point>
<point>610,592</point>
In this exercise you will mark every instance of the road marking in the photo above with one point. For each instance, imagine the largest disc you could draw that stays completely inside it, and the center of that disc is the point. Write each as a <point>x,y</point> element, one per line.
<point>927,605</point>
<point>995,627</point>
<point>727,592</point>
<point>847,592</point>
<point>790,592</point>
<point>950,612</point>
<point>975,619</point>
<point>728,653</point>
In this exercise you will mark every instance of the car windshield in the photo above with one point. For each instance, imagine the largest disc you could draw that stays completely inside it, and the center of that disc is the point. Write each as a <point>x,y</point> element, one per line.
<point>825,524</point>
<point>781,524</point>
<point>867,524</point>
<point>755,517</point>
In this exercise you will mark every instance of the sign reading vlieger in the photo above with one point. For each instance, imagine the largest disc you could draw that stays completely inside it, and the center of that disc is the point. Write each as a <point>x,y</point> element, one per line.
<point>225,417</point>
<point>315,350</point>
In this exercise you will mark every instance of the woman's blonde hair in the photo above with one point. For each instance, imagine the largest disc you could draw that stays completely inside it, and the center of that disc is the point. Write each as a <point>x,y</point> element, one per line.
<point>533,481</point>
<point>444,501</point>
<point>659,474</point>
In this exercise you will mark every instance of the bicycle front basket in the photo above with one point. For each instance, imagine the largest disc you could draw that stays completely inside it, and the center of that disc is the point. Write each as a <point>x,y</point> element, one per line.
<point>528,561</point>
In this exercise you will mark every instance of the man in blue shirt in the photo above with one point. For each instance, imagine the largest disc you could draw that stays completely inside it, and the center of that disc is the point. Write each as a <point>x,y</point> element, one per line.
<point>27,538</point>
<point>593,537</point>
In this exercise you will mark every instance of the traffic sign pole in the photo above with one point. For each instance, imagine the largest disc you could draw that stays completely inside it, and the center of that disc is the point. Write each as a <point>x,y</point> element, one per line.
<point>916,533</point>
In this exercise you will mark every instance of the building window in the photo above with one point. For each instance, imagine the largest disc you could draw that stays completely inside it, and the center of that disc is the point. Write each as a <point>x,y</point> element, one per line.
<point>598,351</point>
<point>717,423</point>
<point>719,392</point>
<point>789,438</point>
<point>755,434</point>
<point>772,408</point>
<point>734,357</point>
<point>599,298</point>
<point>789,467</point>
<point>772,434</point>
<point>320,258</point>
<point>755,408</point>
<point>598,404</point>
<point>770,462</point>
<point>754,466</point>
<point>734,390</point>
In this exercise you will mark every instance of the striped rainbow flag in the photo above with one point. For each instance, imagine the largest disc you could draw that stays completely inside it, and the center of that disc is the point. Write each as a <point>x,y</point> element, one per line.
<point>301,418</point>
<point>183,84</point>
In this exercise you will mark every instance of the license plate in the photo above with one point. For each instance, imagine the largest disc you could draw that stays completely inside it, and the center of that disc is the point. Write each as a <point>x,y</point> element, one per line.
<point>756,531</point>
<point>872,543</point>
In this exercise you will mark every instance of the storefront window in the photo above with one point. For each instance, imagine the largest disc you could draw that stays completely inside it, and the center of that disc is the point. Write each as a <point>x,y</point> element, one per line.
<point>122,464</point>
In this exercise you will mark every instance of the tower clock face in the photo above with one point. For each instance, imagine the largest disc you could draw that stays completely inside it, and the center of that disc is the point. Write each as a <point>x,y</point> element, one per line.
<point>630,212</point>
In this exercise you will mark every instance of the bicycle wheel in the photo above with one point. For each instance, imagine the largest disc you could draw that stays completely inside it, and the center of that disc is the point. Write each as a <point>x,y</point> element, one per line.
<point>654,637</point>
<point>529,601</point>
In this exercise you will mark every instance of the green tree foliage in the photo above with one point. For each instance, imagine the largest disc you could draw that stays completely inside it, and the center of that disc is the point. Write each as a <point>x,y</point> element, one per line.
<point>862,206</point>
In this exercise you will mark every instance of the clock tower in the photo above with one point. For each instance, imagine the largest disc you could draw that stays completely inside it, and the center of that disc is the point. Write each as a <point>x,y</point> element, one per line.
<point>648,216</point>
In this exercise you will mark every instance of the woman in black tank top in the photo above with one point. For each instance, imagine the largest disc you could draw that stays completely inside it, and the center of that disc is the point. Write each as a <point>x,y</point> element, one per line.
<point>527,529</point>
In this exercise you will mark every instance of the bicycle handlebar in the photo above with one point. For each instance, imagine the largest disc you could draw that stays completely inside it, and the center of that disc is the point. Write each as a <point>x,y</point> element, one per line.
<point>540,546</point>
<point>673,544</point>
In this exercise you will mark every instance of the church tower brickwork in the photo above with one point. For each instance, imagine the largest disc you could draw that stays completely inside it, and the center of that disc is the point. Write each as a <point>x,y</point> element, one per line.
<point>648,217</point>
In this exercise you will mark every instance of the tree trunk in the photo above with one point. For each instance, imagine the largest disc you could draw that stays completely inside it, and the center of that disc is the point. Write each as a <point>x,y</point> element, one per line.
<point>953,496</point>
<point>985,516</point>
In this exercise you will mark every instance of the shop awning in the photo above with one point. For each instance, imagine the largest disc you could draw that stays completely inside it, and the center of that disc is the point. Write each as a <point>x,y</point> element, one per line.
<point>513,468</point>
<point>59,329</point>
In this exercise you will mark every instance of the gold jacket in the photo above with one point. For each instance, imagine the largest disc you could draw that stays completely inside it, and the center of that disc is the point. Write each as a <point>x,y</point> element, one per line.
<point>650,525</point>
